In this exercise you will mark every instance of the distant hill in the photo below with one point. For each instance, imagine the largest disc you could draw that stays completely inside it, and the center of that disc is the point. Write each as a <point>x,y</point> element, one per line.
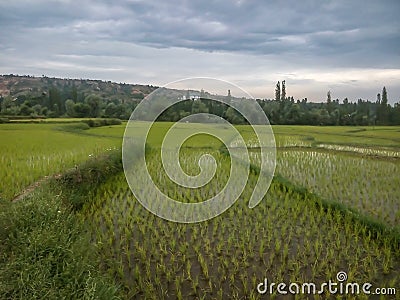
<point>46,96</point>
<point>30,86</point>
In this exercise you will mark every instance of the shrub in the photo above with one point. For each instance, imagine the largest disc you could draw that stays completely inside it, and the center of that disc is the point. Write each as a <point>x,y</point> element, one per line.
<point>78,182</point>
<point>102,122</point>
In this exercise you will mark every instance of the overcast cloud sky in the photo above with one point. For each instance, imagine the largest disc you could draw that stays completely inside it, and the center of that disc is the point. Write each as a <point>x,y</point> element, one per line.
<point>349,47</point>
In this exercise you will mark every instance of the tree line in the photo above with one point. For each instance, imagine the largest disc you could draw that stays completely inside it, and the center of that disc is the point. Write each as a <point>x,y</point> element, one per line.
<point>285,110</point>
<point>69,101</point>
<point>54,106</point>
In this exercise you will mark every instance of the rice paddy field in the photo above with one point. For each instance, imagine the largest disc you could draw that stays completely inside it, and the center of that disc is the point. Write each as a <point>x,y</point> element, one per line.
<point>32,151</point>
<point>333,206</point>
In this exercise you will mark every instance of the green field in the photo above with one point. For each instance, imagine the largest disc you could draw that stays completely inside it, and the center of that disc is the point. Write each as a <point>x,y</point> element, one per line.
<point>333,205</point>
<point>31,151</point>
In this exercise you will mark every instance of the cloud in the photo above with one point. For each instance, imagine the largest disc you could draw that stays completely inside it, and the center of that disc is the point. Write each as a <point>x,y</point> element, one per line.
<point>251,42</point>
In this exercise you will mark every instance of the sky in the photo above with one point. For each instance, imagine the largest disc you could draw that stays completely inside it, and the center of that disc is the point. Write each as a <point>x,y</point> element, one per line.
<point>351,48</point>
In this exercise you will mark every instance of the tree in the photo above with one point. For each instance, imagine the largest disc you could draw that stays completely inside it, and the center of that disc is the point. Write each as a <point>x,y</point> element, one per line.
<point>81,110</point>
<point>74,94</point>
<point>93,101</point>
<point>329,101</point>
<point>70,108</point>
<point>25,110</point>
<point>278,91</point>
<point>384,97</point>
<point>199,107</point>
<point>335,116</point>
<point>314,117</point>
<point>324,118</point>
<point>283,94</point>
<point>293,116</point>
<point>395,115</point>
<point>37,109</point>
<point>6,104</point>
<point>54,103</point>
<point>328,98</point>
<point>382,112</point>
<point>44,111</point>
<point>233,116</point>
<point>111,110</point>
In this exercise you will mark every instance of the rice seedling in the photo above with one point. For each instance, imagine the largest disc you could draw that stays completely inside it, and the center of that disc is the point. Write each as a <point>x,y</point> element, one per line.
<point>288,237</point>
<point>31,151</point>
<point>233,253</point>
<point>370,186</point>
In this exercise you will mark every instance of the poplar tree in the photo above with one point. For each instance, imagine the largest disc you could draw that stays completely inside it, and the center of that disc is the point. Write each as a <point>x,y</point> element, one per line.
<point>278,91</point>
<point>283,93</point>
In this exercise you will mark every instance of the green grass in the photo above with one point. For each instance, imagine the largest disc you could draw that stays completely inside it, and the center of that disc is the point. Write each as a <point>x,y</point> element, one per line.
<point>51,120</point>
<point>84,234</point>
<point>116,131</point>
<point>46,251</point>
<point>371,186</point>
<point>380,136</point>
<point>305,136</point>
<point>32,151</point>
<point>158,131</point>
<point>286,238</point>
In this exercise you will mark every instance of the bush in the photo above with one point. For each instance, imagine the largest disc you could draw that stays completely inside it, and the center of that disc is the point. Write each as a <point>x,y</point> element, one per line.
<point>79,126</point>
<point>102,122</point>
<point>114,121</point>
<point>78,182</point>
<point>74,127</point>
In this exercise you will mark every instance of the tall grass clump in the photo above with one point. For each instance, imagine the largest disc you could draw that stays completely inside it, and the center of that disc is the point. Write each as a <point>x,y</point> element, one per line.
<point>46,252</point>
<point>80,181</point>
<point>102,122</point>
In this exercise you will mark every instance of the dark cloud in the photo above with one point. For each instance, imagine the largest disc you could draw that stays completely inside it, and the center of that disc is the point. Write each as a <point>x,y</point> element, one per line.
<point>287,34</point>
<point>312,27</point>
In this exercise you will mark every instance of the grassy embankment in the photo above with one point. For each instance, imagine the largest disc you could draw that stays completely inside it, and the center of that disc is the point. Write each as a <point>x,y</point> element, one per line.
<point>46,249</point>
